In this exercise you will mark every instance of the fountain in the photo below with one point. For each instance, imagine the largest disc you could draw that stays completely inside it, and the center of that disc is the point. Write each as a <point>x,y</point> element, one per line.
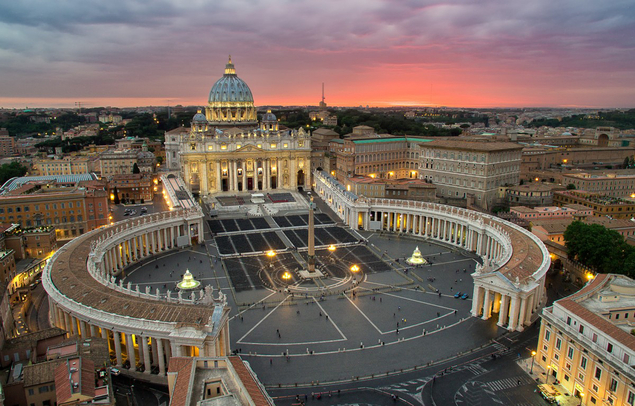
<point>188,282</point>
<point>416,258</point>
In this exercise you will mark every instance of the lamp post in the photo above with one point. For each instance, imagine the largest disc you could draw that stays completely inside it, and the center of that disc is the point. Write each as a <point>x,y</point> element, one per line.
<point>354,268</point>
<point>548,373</point>
<point>271,254</point>
<point>533,356</point>
<point>581,396</point>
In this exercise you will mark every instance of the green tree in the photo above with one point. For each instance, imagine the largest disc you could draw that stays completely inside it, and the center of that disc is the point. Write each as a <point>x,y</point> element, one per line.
<point>12,170</point>
<point>570,186</point>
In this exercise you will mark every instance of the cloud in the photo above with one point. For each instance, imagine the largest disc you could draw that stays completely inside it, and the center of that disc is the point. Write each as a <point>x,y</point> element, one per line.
<point>173,49</point>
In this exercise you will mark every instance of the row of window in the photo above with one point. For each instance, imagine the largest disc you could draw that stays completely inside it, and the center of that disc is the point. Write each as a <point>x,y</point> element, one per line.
<point>36,207</point>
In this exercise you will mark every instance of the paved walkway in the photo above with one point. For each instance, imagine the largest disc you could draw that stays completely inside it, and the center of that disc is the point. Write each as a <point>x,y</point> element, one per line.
<point>395,321</point>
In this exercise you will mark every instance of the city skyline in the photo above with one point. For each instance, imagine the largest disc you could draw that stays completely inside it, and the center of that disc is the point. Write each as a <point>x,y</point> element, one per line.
<point>378,53</point>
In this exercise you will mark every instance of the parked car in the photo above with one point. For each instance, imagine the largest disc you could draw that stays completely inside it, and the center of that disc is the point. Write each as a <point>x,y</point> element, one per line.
<point>464,296</point>
<point>115,371</point>
<point>458,295</point>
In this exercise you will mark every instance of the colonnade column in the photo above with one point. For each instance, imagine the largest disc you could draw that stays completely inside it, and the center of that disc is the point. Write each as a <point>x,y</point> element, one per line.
<point>522,315</point>
<point>117,338</point>
<point>487,305</point>
<point>130,351</point>
<point>513,316</point>
<point>477,302</point>
<point>161,356</point>
<point>504,312</point>
<point>146,355</point>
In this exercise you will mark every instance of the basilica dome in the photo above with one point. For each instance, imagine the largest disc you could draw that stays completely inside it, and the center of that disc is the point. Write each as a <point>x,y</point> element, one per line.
<point>230,88</point>
<point>231,102</point>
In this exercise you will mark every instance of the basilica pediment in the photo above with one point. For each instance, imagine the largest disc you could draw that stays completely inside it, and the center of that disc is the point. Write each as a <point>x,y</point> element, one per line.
<point>249,148</point>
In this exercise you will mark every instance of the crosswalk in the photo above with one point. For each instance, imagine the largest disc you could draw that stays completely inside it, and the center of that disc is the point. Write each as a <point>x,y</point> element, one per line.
<point>508,383</point>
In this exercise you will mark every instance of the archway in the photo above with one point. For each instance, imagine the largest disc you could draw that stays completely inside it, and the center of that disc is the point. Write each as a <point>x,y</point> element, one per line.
<point>603,140</point>
<point>300,178</point>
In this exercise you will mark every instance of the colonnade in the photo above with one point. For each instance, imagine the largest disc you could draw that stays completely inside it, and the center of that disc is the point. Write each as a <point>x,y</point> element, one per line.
<point>117,315</point>
<point>511,278</point>
<point>143,244</point>
<point>514,310</point>
<point>138,348</point>
<point>439,227</point>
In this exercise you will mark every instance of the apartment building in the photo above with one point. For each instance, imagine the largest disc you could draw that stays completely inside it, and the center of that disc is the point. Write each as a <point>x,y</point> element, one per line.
<point>601,204</point>
<point>383,157</point>
<point>7,143</point>
<point>114,162</point>
<point>70,165</point>
<point>622,185</point>
<point>462,168</point>
<point>71,210</point>
<point>586,343</point>
<point>138,187</point>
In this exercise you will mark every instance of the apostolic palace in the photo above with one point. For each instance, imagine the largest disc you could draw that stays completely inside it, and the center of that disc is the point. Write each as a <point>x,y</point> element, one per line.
<point>227,150</point>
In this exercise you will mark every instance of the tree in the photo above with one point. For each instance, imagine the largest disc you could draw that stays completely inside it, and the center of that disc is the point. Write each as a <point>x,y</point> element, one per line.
<point>12,170</point>
<point>571,186</point>
<point>599,248</point>
<point>135,168</point>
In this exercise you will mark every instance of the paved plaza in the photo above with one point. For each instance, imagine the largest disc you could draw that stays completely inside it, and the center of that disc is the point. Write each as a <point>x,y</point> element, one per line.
<point>347,325</point>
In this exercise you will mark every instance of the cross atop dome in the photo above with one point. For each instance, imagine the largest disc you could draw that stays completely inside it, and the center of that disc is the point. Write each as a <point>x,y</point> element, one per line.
<point>229,68</point>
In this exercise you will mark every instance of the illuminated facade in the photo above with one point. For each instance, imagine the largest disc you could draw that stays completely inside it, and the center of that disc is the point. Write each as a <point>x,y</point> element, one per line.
<point>586,342</point>
<point>228,150</point>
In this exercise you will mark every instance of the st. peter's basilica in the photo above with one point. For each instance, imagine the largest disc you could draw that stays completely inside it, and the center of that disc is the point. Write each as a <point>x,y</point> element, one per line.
<point>227,150</point>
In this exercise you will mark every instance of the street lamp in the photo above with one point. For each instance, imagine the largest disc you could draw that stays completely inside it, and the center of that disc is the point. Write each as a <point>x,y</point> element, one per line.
<point>548,372</point>
<point>331,247</point>
<point>354,268</point>
<point>581,396</point>
<point>271,254</point>
<point>533,355</point>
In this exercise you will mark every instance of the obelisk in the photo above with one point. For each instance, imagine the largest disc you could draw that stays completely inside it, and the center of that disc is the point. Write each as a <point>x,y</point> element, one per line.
<point>311,258</point>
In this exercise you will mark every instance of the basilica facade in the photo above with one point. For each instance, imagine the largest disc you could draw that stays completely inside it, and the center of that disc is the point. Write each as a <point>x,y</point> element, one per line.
<point>227,149</point>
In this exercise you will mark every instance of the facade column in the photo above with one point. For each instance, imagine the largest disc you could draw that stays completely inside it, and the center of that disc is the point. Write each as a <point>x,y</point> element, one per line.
<point>130,350</point>
<point>146,355</point>
<point>244,176</point>
<point>218,177</point>
<point>117,338</point>
<point>83,333</point>
<point>203,179</point>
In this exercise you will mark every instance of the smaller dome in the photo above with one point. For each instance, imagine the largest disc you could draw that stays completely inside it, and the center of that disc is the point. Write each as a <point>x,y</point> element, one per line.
<point>269,117</point>
<point>199,117</point>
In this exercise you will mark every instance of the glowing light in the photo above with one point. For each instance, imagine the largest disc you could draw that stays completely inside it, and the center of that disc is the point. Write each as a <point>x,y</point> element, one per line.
<point>590,276</point>
<point>332,248</point>
<point>372,175</point>
<point>286,276</point>
<point>271,253</point>
<point>536,179</point>
<point>564,161</point>
<point>533,353</point>
<point>112,197</point>
<point>188,281</point>
<point>354,268</point>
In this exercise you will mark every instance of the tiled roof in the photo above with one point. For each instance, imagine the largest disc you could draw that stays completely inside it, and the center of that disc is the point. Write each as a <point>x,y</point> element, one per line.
<point>571,305</point>
<point>183,367</point>
<point>70,277</point>
<point>249,382</point>
<point>41,373</point>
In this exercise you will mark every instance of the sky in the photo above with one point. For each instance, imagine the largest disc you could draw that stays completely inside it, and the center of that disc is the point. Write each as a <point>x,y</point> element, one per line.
<point>462,53</point>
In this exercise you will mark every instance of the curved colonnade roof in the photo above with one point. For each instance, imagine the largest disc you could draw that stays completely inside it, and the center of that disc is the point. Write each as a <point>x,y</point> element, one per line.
<point>72,279</point>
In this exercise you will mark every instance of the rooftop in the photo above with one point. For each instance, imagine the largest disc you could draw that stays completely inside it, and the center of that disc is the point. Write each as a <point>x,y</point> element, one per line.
<point>15,183</point>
